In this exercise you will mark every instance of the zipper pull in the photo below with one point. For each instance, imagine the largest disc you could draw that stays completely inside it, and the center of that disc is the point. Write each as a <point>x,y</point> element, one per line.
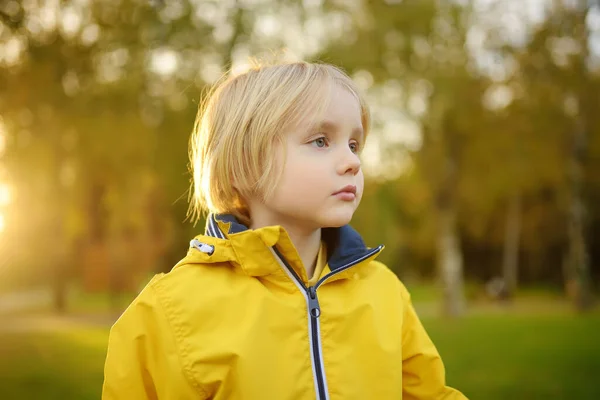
<point>203,247</point>
<point>313,303</point>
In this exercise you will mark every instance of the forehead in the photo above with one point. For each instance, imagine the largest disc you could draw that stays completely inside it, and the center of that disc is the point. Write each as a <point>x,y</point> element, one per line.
<point>343,104</point>
<point>341,111</point>
<point>329,104</point>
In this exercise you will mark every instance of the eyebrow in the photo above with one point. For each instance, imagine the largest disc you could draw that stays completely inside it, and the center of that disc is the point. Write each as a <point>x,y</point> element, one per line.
<point>329,125</point>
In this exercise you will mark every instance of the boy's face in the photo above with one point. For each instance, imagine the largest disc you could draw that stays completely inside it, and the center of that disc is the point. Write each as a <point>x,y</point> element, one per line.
<point>321,160</point>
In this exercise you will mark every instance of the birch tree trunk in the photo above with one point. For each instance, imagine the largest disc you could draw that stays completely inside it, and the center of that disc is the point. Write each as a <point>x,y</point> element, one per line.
<point>450,262</point>
<point>449,252</point>
<point>512,237</point>
<point>578,261</point>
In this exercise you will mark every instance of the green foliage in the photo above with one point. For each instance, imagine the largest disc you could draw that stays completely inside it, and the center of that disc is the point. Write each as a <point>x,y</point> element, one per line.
<point>97,133</point>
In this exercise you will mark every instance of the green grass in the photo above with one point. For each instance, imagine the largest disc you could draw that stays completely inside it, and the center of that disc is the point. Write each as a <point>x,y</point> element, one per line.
<point>487,356</point>
<point>521,356</point>
<point>64,364</point>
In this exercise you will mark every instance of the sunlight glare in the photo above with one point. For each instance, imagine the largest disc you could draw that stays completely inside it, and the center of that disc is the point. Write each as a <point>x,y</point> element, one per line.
<point>5,195</point>
<point>164,61</point>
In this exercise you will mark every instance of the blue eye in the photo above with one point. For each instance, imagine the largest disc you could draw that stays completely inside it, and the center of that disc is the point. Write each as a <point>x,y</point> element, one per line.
<point>354,147</point>
<point>320,142</point>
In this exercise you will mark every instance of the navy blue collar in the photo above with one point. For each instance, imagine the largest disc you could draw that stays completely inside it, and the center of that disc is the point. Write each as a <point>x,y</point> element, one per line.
<point>344,244</point>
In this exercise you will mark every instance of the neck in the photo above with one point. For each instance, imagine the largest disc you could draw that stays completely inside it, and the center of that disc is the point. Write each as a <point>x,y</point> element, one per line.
<point>307,244</point>
<point>307,241</point>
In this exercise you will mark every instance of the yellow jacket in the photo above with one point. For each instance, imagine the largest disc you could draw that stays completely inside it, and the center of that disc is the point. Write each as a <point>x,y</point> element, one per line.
<point>235,320</point>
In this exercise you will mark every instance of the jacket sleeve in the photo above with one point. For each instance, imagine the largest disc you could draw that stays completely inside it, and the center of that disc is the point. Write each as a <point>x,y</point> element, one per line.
<point>143,361</point>
<point>423,375</point>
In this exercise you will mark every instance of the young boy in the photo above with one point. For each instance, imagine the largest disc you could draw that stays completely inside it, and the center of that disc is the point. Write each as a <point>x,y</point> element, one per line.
<point>280,298</point>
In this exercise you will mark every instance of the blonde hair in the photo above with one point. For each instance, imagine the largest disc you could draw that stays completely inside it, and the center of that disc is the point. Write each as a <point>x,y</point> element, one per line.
<point>243,118</point>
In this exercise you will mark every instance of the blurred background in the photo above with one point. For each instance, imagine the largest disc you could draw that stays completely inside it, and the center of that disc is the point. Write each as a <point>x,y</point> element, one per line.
<point>482,168</point>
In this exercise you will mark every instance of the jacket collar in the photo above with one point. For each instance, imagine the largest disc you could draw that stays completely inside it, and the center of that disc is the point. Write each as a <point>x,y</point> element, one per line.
<point>251,249</point>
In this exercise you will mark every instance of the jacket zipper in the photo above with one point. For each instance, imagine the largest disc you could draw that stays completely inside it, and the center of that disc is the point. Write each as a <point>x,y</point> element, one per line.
<point>314,312</point>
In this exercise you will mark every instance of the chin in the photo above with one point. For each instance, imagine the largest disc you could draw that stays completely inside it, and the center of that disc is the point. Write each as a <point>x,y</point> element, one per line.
<point>337,219</point>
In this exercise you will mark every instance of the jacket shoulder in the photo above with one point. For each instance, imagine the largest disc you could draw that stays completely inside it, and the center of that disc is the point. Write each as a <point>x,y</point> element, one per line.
<point>193,279</point>
<point>379,270</point>
<point>386,279</point>
<point>195,292</point>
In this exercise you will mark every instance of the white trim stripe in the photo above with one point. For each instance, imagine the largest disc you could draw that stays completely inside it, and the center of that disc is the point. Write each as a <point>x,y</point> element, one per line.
<point>209,229</point>
<point>216,228</point>
<point>212,228</point>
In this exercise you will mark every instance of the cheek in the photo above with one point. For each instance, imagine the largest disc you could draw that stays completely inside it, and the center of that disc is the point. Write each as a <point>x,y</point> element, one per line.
<point>360,180</point>
<point>300,178</point>
<point>360,184</point>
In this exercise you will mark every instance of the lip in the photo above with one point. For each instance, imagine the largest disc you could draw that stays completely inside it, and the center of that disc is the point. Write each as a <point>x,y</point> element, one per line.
<point>347,189</point>
<point>348,192</point>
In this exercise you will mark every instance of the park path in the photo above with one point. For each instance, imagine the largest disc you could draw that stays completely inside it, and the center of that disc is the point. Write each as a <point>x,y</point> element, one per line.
<point>28,311</point>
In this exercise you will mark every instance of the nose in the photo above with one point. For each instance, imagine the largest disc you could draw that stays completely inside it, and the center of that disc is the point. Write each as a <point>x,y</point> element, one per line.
<point>349,163</point>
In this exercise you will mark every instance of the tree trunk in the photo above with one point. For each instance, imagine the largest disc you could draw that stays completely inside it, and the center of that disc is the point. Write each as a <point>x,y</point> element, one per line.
<point>512,236</point>
<point>445,147</point>
<point>578,262</point>
<point>450,262</point>
<point>58,231</point>
<point>449,253</point>
<point>59,274</point>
